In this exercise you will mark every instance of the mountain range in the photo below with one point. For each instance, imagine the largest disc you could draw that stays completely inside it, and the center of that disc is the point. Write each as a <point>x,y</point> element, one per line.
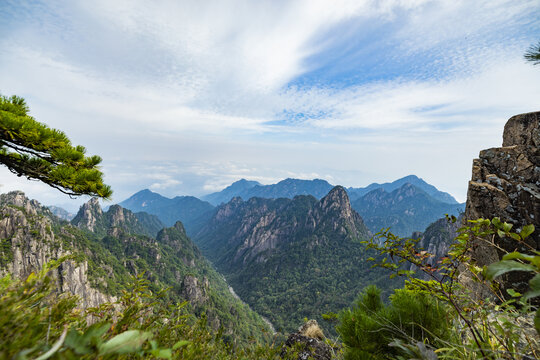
<point>405,205</point>
<point>292,258</point>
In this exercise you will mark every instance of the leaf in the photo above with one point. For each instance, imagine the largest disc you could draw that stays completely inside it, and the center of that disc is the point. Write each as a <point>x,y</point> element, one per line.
<point>162,353</point>
<point>180,344</point>
<point>96,331</point>
<point>534,283</point>
<point>502,267</point>
<point>127,342</point>
<point>526,231</point>
<point>507,227</point>
<point>517,255</point>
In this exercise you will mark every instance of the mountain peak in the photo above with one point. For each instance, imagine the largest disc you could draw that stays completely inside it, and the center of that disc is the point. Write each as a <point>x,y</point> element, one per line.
<point>337,199</point>
<point>89,215</point>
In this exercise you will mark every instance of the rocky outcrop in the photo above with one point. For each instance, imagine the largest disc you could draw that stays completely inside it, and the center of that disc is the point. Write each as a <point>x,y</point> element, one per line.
<point>506,184</point>
<point>308,343</point>
<point>29,243</point>
<point>194,291</point>
<point>89,216</point>
<point>116,221</point>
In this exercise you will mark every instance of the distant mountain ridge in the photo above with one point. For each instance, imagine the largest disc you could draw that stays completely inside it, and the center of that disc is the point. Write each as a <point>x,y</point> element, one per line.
<point>187,209</point>
<point>431,190</point>
<point>412,209</point>
<point>233,190</point>
<point>287,188</point>
<point>404,210</point>
<point>318,188</point>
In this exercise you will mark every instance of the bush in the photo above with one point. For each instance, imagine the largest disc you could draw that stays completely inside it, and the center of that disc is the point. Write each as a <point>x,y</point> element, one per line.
<point>368,328</point>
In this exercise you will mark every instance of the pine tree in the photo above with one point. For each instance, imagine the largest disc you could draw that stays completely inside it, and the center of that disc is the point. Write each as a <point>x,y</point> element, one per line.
<point>31,149</point>
<point>533,54</point>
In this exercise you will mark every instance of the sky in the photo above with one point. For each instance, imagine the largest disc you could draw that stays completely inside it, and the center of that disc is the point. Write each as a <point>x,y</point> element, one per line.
<point>186,97</point>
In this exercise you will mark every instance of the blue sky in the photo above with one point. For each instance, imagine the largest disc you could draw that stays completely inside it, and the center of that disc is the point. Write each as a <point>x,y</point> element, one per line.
<point>185,97</point>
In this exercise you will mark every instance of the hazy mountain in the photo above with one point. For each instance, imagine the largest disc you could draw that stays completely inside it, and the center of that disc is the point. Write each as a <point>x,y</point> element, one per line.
<point>287,188</point>
<point>404,210</point>
<point>230,191</point>
<point>61,212</point>
<point>431,190</point>
<point>291,258</point>
<point>187,209</point>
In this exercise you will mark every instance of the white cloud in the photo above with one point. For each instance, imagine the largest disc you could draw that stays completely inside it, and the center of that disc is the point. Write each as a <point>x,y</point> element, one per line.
<point>200,88</point>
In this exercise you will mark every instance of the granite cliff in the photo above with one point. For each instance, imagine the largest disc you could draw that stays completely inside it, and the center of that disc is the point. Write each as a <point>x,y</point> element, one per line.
<point>29,242</point>
<point>506,184</point>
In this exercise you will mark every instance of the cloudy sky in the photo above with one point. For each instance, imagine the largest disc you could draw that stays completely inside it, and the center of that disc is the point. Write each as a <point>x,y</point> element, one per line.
<point>185,97</point>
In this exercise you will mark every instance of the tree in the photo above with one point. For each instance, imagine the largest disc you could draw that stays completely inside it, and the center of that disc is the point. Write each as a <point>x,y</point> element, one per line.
<point>533,54</point>
<point>31,149</point>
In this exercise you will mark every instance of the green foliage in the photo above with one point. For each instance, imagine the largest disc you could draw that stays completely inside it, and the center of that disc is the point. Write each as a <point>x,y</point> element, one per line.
<point>516,261</point>
<point>369,328</point>
<point>533,54</point>
<point>481,327</point>
<point>38,323</point>
<point>31,149</point>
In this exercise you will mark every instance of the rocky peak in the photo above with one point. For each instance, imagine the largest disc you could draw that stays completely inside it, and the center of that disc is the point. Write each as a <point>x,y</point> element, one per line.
<point>18,199</point>
<point>89,215</point>
<point>116,214</point>
<point>180,227</point>
<point>337,199</point>
<point>506,184</point>
<point>226,210</point>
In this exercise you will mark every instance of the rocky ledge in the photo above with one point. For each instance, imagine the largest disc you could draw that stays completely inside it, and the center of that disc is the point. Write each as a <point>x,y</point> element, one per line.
<point>506,184</point>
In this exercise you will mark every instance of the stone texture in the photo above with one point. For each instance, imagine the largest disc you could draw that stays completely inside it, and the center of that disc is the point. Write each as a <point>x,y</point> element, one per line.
<point>89,215</point>
<point>506,184</point>
<point>28,227</point>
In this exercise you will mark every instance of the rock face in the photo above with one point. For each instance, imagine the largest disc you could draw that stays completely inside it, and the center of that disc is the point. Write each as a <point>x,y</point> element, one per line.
<point>28,243</point>
<point>308,343</point>
<point>255,228</point>
<point>506,184</point>
<point>89,215</point>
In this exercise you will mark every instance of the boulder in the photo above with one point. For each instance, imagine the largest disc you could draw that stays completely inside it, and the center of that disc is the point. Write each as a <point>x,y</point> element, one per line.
<point>307,344</point>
